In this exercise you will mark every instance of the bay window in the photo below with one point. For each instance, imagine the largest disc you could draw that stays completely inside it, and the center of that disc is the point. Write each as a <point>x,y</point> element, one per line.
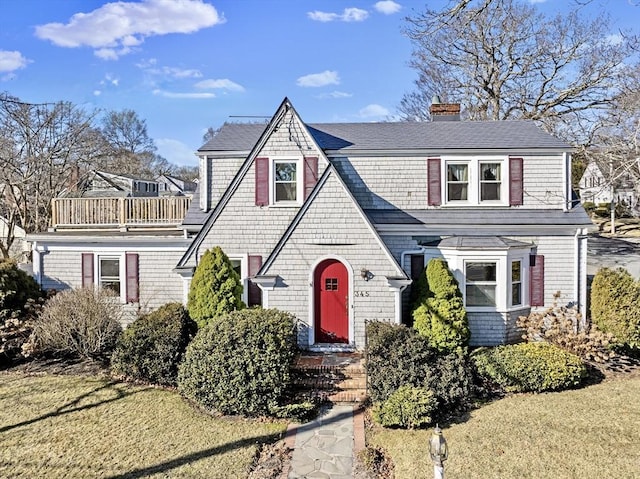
<point>480,284</point>
<point>516,283</point>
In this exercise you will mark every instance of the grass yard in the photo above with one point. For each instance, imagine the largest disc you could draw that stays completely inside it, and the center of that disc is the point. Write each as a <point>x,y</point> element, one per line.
<point>588,433</point>
<point>84,427</point>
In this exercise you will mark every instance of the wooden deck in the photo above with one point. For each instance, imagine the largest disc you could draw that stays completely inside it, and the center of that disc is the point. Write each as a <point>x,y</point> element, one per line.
<point>121,213</point>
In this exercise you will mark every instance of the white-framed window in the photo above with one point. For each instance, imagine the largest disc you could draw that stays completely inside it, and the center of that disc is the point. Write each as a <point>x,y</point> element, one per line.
<point>490,280</point>
<point>286,181</point>
<point>481,282</point>
<point>516,283</point>
<point>457,181</point>
<point>109,273</point>
<point>475,181</point>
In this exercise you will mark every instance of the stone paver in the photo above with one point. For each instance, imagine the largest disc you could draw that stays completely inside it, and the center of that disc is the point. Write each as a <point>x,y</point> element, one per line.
<point>324,447</point>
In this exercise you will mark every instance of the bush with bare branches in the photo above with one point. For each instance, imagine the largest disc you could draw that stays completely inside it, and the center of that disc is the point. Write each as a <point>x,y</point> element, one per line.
<point>562,326</point>
<point>82,323</point>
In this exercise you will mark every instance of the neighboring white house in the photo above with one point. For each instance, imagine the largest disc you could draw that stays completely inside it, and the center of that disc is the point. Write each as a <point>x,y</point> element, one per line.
<point>333,221</point>
<point>171,185</point>
<point>594,187</point>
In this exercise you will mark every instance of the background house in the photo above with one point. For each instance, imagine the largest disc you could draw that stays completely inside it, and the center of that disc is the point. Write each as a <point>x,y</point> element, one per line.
<point>595,187</point>
<point>171,185</point>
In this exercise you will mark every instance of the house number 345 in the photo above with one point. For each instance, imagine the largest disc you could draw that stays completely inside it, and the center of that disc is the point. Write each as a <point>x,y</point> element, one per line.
<point>361,294</point>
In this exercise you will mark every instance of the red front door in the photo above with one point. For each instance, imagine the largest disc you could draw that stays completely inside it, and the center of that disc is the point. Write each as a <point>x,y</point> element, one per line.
<point>331,283</point>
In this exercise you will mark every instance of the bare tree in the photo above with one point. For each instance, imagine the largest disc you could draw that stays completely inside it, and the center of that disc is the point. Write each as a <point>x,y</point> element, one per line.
<point>41,148</point>
<point>503,59</point>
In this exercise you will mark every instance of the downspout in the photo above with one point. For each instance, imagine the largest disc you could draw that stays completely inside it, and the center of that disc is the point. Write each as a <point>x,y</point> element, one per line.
<point>580,293</point>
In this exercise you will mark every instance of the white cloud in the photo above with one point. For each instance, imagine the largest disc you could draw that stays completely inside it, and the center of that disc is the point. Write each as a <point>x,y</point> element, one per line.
<point>176,152</point>
<point>614,39</point>
<point>335,94</point>
<point>388,7</point>
<point>97,92</point>
<point>169,94</point>
<point>327,77</point>
<point>115,28</point>
<point>11,61</point>
<point>223,83</point>
<point>373,110</point>
<point>348,15</point>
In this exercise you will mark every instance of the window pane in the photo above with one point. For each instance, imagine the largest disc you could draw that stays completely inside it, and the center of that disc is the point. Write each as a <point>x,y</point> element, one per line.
<point>286,191</point>
<point>109,267</point>
<point>480,272</point>
<point>515,271</point>
<point>516,294</point>
<point>457,179</point>
<point>285,172</point>
<point>237,266</point>
<point>481,295</point>
<point>490,181</point>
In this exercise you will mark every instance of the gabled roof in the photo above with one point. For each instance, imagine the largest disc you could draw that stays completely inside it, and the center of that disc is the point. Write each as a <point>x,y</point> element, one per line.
<point>444,135</point>
<point>329,171</point>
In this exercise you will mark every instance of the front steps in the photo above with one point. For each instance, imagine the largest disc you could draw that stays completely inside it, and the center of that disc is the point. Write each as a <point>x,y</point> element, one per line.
<point>337,377</point>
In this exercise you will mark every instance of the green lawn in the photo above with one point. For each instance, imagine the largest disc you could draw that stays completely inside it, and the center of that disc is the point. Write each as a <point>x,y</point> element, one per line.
<point>584,434</point>
<point>84,427</point>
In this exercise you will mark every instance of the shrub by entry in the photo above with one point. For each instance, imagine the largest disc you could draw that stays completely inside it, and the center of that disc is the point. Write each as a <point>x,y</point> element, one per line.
<point>439,313</point>
<point>151,348</point>
<point>408,407</point>
<point>216,288</point>
<point>530,367</point>
<point>240,363</point>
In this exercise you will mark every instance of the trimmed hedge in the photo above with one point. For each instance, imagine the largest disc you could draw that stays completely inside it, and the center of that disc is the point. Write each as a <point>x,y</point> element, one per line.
<point>241,363</point>
<point>440,316</point>
<point>408,407</point>
<point>615,305</point>
<point>529,367</point>
<point>215,289</point>
<point>151,347</point>
<point>398,356</point>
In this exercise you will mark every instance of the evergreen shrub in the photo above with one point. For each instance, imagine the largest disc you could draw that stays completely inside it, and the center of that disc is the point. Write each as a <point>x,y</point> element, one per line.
<point>440,316</point>
<point>151,347</point>
<point>529,367</point>
<point>240,363</point>
<point>398,356</point>
<point>215,289</point>
<point>408,407</point>
<point>81,323</point>
<point>615,306</point>
<point>20,300</point>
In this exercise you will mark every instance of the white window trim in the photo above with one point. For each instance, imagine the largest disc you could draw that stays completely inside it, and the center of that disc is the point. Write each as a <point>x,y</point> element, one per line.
<point>498,290</point>
<point>522,282</point>
<point>456,259</point>
<point>473,191</point>
<point>244,274</point>
<point>121,257</point>
<point>299,181</point>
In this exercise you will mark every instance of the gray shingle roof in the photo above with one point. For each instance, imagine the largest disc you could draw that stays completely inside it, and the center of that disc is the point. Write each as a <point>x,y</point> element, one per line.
<point>480,217</point>
<point>443,135</point>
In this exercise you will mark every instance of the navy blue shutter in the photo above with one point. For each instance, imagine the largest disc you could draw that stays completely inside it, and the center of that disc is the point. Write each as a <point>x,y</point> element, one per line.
<point>434,188</point>
<point>262,181</point>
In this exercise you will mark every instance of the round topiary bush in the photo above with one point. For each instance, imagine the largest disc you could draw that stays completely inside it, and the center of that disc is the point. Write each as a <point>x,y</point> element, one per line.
<point>215,289</point>
<point>529,367</point>
<point>408,407</point>
<point>80,322</point>
<point>151,347</point>
<point>240,363</point>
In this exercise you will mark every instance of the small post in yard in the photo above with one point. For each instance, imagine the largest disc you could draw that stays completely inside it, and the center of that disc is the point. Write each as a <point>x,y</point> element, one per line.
<point>439,452</point>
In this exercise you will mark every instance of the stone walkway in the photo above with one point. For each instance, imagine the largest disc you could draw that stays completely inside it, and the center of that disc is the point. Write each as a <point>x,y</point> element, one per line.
<point>325,448</point>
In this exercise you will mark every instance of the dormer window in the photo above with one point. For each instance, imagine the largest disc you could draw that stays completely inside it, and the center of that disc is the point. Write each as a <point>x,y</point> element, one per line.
<point>284,181</point>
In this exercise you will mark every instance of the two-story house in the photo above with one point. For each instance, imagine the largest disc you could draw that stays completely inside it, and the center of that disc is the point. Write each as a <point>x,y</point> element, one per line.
<point>332,221</point>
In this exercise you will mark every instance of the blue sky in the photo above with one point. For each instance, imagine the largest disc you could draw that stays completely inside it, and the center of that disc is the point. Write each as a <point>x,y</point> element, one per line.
<point>186,65</point>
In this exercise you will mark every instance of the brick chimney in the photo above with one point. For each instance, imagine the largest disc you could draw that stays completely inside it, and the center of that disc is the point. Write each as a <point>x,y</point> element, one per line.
<point>444,111</point>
